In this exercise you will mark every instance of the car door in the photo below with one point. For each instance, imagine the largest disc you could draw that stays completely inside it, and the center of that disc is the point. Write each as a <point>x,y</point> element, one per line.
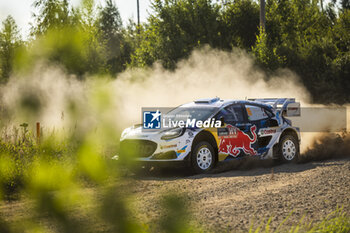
<point>265,123</point>
<point>236,136</point>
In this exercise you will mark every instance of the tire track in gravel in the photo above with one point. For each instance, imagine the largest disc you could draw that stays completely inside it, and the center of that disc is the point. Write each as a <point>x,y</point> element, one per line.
<point>232,200</point>
<point>268,185</point>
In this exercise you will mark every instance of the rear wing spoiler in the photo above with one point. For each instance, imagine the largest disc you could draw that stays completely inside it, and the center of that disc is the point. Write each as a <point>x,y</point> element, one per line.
<point>286,106</point>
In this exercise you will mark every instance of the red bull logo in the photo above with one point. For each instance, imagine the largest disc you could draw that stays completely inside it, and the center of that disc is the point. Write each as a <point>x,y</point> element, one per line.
<point>237,140</point>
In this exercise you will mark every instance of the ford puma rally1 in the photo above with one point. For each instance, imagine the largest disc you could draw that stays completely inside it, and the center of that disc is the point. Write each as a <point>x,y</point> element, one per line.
<point>254,127</point>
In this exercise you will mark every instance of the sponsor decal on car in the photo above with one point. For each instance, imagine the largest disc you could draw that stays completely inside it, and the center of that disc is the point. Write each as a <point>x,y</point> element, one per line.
<point>264,132</point>
<point>235,140</point>
<point>168,146</point>
<point>182,150</point>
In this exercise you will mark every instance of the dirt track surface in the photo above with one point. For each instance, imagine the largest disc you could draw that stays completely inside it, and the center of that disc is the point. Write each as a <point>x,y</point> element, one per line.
<point>236,199</point>
<point>233,200</point>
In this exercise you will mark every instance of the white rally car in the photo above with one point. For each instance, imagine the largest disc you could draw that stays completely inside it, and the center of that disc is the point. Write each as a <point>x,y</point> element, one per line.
<point>255,127</point>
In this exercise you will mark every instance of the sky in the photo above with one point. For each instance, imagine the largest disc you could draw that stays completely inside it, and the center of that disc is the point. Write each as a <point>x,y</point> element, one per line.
<point>21,11</point>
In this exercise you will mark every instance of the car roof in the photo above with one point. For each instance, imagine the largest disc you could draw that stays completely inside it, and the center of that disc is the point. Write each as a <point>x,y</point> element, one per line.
<point>219,103</point>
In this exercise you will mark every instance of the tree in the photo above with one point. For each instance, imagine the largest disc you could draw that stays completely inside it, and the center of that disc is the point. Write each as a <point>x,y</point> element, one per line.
<point>240,24</point>
<point>111,35</point>
<point>10,40</point>
<point>265,55</point>
<point>53,14</point>
<point>345,4</point>
<point>312,42</point>
<point>110,23</point>
<point>68,37</point>
<point>175,28</point>
<point>95,51</point>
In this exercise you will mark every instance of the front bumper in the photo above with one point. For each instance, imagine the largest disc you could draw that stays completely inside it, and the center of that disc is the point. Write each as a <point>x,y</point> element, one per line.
<point>148,150</point>
<point>149,146</point>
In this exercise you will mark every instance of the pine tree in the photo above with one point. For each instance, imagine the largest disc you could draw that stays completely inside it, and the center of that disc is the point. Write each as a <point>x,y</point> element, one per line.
<point>110,27</point>
<point>10,40</point>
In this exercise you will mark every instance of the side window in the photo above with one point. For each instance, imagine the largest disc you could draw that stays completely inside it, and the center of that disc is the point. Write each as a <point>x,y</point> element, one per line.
<point>256,113</point>
<point>268,113</point>
<point>232,114</point>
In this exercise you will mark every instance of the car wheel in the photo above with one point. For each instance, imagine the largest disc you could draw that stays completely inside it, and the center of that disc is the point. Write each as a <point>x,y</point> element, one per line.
<point>203,157</point>
<point>289,148</point>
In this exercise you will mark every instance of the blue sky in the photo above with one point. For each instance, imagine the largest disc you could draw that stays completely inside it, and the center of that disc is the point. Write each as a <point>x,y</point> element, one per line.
<point>21,11</point>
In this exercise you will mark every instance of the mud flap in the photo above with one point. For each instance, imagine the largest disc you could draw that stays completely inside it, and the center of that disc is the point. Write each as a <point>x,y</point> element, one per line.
<point>275,150</point>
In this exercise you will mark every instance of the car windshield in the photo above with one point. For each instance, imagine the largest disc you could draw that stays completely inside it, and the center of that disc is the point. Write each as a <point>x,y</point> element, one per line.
<point>197,113</point>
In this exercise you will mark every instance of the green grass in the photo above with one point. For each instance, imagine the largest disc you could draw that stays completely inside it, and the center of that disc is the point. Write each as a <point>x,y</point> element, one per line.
<point>337,221</point>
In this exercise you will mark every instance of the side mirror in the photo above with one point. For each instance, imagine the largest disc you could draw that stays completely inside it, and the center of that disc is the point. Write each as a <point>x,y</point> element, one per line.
<point>222,119</point>
<point>293,109</point>
<point>273,122</point>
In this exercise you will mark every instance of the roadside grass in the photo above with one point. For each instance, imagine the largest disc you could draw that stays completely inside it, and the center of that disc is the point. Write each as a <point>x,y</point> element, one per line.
<point>19,150</point>
<point>337,221</point>
<point>54,174</point>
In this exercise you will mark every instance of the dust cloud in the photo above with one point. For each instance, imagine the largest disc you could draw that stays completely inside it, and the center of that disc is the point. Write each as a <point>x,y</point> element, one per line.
<point>61,101</point>
<point>206,73</point>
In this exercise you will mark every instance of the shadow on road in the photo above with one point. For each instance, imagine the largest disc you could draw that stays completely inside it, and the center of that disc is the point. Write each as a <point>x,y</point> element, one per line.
<point>243,167</point>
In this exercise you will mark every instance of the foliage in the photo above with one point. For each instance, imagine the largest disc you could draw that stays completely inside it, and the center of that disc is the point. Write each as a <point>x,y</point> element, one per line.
<point>53,14</point>
<point>239,24</point>
<point>336,221</point>
<point>299,35</point>
<point>308,41</point>
<point>18,152</point>
<point>175,29</point>
<point>85,39</point>
<point>10,41</point>
<point>266,55</point>
<point>112,36</point>
<point>55,176</point>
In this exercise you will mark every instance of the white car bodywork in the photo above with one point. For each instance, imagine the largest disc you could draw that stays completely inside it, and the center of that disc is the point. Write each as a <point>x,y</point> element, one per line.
<point>233,140</point>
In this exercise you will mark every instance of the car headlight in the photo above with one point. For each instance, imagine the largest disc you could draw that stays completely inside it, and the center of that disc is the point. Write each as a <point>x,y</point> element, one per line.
<point>125,132</point>
<point>173,133</point>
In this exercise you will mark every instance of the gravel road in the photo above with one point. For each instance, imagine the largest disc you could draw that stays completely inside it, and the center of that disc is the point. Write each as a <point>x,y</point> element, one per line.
<point>236,199</point>
<point>231,199</point>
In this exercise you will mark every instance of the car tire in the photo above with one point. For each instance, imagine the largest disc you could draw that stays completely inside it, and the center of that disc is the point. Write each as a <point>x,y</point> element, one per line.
<point>289,148</point>
<point>203,157</point>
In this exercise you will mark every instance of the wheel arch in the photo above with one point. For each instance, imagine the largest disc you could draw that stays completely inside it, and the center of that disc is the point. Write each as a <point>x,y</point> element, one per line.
<point>290,131</point>
<point>206,136</point>
<point>276,146</point>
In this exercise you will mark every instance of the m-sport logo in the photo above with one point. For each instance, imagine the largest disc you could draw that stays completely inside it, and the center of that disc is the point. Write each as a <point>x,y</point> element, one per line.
<point>152,119</point>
